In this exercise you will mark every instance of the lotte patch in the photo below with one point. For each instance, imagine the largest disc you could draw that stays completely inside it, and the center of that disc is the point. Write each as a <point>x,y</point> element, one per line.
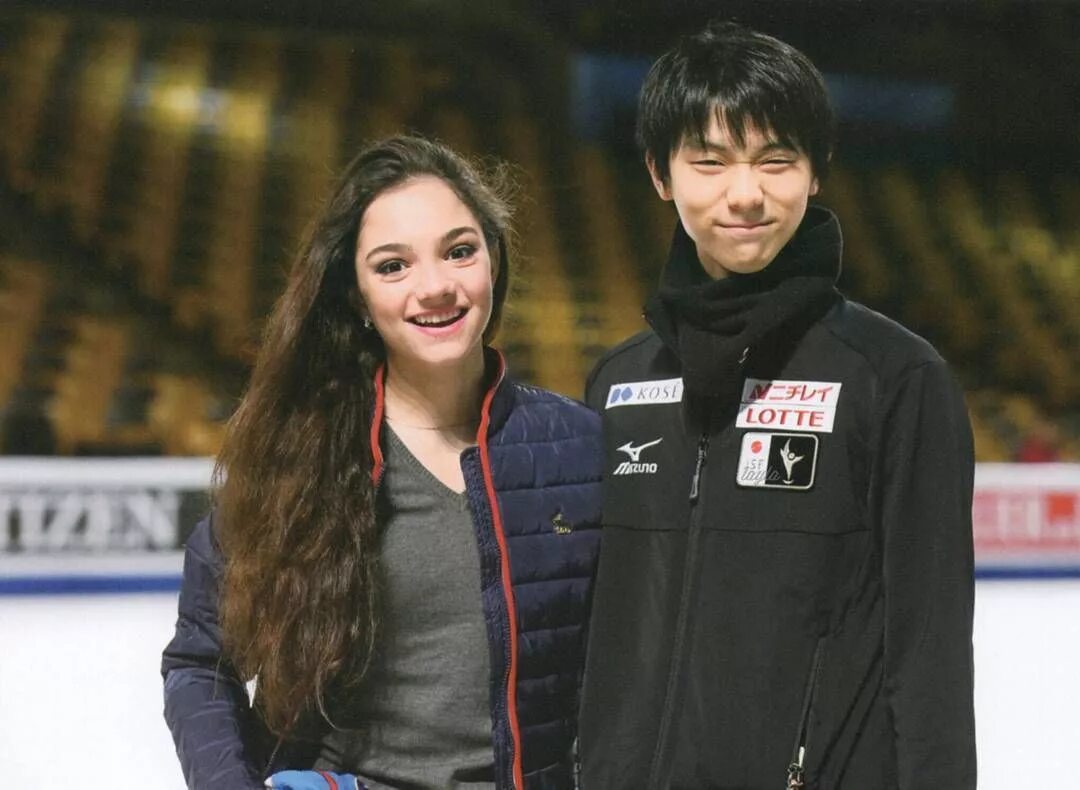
<point>786,461</point>
<point>775,405</point>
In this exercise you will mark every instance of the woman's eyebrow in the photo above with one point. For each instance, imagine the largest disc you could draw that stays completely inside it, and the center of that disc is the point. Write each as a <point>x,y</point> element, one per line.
<point>452,234</point>
<point>401,249</point>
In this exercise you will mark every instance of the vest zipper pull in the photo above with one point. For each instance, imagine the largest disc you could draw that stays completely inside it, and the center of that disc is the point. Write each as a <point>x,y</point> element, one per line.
<point>702,450</point>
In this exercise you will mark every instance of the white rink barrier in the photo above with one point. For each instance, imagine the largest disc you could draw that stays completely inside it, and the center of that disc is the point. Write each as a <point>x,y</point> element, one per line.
<point>94,505</point>
<point>1026,520</point>
<point>97,525</point>
<point>105,473</point>
<point>118,525</point>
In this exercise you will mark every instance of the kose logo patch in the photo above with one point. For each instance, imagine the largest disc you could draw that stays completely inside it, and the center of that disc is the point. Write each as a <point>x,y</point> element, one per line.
<point>635,466</point>
<point>645,393</point>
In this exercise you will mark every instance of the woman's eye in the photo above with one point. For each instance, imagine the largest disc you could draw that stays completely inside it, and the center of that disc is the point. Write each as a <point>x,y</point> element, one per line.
<point>709,163</point>
<point>390,267</point>
<point>461,252</point>
<point>776,164</point>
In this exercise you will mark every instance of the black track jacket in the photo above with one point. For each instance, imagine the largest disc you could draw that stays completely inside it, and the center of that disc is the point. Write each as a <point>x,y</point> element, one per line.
<point>785,578</point>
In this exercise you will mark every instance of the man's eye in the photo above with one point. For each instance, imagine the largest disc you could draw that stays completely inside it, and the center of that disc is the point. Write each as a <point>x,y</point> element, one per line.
<point>390,267</point>
<point>462,252</point>
<point>709,163</point>
<point>778,162</point>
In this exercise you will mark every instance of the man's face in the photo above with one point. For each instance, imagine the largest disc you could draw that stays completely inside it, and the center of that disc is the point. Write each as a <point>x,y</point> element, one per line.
<point>740,204</point>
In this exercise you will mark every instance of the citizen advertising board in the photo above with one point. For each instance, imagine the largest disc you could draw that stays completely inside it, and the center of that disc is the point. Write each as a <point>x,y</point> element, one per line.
<point>1026,519</point>
<point>98,525</point>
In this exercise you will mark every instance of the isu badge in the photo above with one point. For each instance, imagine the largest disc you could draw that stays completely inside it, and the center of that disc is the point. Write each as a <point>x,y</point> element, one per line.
<point>778,460</point>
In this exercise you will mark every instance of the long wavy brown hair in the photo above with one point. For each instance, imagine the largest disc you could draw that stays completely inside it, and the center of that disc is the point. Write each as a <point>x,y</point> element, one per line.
<point>294,496</point>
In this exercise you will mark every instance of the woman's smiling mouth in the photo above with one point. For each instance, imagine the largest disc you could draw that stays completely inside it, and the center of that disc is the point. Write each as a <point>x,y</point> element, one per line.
<point>438,322</point>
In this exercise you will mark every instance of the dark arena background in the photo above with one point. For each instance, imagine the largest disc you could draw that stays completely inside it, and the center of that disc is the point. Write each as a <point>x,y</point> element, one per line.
<point>159,162</point>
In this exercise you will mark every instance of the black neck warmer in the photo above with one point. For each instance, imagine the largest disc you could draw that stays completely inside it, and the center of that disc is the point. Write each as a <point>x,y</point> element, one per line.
<point>715,327</point>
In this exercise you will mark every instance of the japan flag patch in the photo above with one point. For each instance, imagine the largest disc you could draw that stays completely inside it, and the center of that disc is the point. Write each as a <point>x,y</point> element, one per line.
<point>786,461</point>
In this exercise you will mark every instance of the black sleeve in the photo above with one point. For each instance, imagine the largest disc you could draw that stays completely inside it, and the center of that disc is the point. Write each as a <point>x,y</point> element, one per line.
<point>594,396</point>
<point>924,490</point>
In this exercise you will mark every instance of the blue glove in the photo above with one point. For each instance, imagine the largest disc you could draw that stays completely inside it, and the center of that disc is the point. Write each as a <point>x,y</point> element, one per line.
<point>313,780</point>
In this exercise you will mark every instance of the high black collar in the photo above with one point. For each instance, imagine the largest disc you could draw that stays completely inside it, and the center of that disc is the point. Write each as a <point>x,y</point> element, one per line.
<point>717,328</point>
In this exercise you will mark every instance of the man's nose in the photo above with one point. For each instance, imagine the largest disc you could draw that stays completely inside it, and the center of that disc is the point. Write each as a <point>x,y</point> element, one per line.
<point>744,188</point>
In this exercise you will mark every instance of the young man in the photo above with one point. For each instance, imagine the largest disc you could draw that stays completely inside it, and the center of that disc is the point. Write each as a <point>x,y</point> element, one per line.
<point>785,587</point>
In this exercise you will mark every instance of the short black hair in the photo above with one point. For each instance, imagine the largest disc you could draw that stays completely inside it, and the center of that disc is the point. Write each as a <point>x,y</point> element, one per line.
<point>752,80</point>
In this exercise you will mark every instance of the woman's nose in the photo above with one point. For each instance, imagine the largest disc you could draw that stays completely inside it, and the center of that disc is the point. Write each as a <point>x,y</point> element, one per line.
<point>433,282</point>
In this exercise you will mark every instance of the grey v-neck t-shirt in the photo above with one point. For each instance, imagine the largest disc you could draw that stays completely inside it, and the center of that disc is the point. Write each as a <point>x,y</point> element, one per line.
<point>423,716</point>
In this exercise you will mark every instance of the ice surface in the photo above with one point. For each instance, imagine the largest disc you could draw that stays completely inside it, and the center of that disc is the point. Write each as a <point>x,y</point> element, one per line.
<point>80,693</point>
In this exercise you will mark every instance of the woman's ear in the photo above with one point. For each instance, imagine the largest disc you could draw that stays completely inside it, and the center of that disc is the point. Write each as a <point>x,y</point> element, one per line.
<point>357,304</point>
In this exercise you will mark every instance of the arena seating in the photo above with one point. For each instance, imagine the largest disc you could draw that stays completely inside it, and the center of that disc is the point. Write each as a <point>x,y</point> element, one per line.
<point>184,161</point>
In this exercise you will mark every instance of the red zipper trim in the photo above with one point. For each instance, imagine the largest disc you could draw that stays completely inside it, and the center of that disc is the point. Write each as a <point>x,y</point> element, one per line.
<point>376,425</point>
<point>331,783</point>
<point>508,590</point>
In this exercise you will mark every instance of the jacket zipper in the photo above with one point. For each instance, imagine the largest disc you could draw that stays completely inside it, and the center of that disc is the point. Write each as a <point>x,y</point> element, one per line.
<point>503,705</point>
<point>508,689</point>
<point>796,772</point>
<point>702,452</point>
<point>658,771</point>
<point>516,773</point>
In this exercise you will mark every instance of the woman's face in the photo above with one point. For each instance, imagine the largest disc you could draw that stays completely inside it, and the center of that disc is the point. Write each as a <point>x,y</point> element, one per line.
<point>424,273</point>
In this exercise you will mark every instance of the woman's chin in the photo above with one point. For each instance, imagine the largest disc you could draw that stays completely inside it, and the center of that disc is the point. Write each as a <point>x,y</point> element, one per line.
<point>445,354</point>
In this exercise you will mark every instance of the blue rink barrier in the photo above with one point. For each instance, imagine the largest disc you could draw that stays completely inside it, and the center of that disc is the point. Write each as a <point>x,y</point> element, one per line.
<point>89,573</point>
<point>88,585</point>
<point>1026,574</point>
<point>75,584</point>
<point>93,585</point>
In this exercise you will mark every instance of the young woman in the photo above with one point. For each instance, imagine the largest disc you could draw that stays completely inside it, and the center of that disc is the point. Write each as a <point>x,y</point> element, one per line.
<point>403,539</point>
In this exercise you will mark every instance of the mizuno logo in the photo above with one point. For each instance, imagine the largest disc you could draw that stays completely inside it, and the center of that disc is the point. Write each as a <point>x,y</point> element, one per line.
<point>635,466</point>
<point>635,452</point>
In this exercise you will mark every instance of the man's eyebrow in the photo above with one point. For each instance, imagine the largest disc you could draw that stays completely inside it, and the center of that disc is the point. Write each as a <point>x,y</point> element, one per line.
<point>713,146</point>
<point>401,249</point>
<point>776,145</point>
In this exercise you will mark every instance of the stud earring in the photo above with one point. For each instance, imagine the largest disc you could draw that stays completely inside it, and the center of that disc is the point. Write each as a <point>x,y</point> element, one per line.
<point>367,322</point>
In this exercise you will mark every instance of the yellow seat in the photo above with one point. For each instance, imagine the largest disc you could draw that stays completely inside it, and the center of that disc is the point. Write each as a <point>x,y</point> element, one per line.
<point>28,64</point>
